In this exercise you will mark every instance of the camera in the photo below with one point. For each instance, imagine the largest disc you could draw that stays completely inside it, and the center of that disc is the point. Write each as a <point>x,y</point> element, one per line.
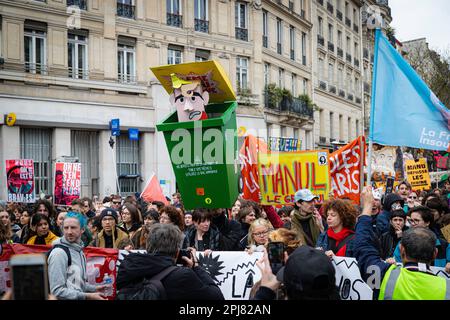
<point>276,255</point>
<point>29,277</point>
<point>183,253</point>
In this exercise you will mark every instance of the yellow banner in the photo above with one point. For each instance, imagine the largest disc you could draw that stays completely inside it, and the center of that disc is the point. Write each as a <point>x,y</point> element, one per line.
<point>281,174</point>
<point>417,174</point>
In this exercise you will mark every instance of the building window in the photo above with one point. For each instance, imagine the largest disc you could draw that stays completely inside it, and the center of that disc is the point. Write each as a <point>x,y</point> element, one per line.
<point>126,8</point>
<point>305,86</point>
<point>357,85</point>
<point>339,39</point>
<point>174,17</point>
<point>35,36</point>
<point>201,16</point>
<point>331,126</point>
<point>279,35</point>
<point>304,48</point>
<point>294,84</point>
<point>266,74</point>
<point>341,127</point>
<point>330,33</point>
<point>202,55</point>
<point>82,4</point>
<point>349,46</point>
<point>126,58</point>
<point>84,146</point>
<point>331,73</point>
<point>349,130</point>
<point>174,55</point>
<point>265,29</point>
<point>292,41</point>
<point>36,144</point>
<point>127,159</point>
<point>357,128</point>
<point>321,69</point>
<point>241,21</point>
<point>340,78</point>
<point>242,72</point>
<point>320,26</point>
<point>78,55</point>
<point>281,78</point>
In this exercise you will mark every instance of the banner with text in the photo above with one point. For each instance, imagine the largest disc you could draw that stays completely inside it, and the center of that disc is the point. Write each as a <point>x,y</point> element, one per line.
<point>281,174</point>
<point>417,174</point>
<point>345,170</point>
<point>284,144</point>
<point>20,180</point>
<point>67,182</point>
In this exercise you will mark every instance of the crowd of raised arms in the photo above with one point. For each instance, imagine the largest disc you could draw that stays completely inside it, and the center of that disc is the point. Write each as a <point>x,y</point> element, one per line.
<point>383,231</point>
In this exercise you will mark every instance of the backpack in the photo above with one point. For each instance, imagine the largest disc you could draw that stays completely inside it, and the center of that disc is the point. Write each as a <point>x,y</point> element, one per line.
<point>66,250</point>
<point>149,289</point>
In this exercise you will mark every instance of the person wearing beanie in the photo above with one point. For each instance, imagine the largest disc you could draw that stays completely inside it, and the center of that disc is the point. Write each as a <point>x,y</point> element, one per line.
<point>390,239</point>
<point>111,235</point>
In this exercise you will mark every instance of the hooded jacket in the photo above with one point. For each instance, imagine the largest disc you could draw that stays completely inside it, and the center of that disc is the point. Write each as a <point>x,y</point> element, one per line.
<point>230,232</point>
<point>384,217</point>
<point>68,283</point>
<point>211,239</point>
<point>182,284</point>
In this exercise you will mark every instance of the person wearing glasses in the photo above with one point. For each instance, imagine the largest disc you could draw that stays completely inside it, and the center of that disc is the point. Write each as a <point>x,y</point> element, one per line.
<point>412,200</point>
<point>423,217</point>
<point>116,202</point>
<point>258,233</point>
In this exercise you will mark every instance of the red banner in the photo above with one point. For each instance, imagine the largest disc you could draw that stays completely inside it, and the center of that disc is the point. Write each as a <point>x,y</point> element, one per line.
<point>248,154</point>
<point>99,262</point>
<point>346,165</point>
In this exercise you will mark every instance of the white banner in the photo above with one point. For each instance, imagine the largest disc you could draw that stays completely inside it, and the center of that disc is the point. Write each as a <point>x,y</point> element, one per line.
<point>349,281</point>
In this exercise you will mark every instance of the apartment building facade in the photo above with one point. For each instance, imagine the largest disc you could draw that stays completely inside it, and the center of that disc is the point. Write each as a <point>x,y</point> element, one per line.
<point>71,66</point>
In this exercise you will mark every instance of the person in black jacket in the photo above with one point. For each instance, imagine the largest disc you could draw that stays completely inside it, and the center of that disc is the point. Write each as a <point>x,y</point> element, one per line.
<point>202,237</point>
<point>188,282</point>
<point>230,230</point>
<point>390,239</point>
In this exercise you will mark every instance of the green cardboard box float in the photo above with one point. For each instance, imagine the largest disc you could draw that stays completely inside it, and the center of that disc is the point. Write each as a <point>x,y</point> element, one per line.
<point>201,134</point>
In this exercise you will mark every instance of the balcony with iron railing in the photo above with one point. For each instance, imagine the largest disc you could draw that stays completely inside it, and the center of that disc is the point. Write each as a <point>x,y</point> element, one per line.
<point>241,34</point>
<point>291,105</point>
<point>330,8</point>
<point>341,93</point>
<point>332,89</point>
<point>339,14</point>
<point>36,68</point>
<point>340,52</point>
<point>202,25</point>
<point>330,46</point>
<point>126,10</point>
<point>77,73</point>
<point>348,22</point>
<point>320,40</point>
<point>174,20</point>
<point>265,41</point>
<point>126,78</point>
<point>348,57</point>
<point>82,4</point>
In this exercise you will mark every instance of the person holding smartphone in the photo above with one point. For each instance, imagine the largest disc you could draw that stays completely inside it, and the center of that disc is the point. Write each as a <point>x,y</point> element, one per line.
<point>70,282</point>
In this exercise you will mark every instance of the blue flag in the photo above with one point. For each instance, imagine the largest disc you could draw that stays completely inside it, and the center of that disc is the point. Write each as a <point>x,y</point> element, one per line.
<point>405,112</point>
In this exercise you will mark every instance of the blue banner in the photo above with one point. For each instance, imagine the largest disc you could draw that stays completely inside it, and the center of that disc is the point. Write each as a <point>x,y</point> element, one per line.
<point>405,112</point>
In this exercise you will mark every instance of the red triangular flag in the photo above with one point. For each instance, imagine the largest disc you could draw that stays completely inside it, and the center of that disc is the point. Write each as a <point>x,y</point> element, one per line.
<point>153,191</point>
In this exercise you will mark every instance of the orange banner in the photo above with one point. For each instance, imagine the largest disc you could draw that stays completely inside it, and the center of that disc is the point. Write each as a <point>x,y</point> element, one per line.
<point>248,155</point>
<point>345,169</point>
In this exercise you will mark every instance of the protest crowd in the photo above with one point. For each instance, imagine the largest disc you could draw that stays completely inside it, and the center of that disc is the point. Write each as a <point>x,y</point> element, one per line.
<point>385,230</point>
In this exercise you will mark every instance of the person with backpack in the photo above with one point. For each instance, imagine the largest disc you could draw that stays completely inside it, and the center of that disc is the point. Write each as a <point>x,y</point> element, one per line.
<point>67,263</point>
<point>155,275</point>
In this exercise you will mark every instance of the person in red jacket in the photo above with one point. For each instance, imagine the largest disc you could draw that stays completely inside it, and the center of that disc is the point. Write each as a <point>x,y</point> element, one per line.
<point>341,219</point>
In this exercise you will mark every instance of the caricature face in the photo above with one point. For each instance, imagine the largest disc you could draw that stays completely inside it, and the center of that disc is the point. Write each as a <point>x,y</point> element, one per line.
<point>383,161</point>
<point>190,101</point>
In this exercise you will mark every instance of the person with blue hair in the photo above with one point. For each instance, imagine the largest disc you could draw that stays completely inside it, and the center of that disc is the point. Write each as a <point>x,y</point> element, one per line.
<point>67,263</point>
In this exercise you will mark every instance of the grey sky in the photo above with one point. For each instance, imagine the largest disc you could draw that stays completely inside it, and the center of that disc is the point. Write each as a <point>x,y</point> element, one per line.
<point>413,19</point>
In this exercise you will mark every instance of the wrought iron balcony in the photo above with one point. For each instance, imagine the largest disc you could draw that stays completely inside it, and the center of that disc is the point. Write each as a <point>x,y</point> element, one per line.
<point>332,89</point>
<point>82,4</point>
<point>322,85</point>
<point>348,22</point>
<point>340,52</point>
<point>202,25</point>
<point>339,14</point>
<point>126,10</point>
<point>265,42</point>
<point>288,104</point>
<point>241,34</point>
<point>36,68</point>
<point>348,57</point>
<point>355,28</point>
<point>126,78</point>
<point>320,40</point>
<point>330,46</point>
<point>330,8</point>
<point>78,73</point>
<point>341,93</point>
<point>356,61</point>
<point>279,48</point>
<point>174,20</point>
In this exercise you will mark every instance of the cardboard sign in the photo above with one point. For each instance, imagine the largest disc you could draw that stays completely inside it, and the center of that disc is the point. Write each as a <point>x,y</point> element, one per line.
<point>345,170</point>
<point>67,182</point>
<point>281,174</point>
<point>417,174</point>
<point>20,180</point>
<point>349,281</point>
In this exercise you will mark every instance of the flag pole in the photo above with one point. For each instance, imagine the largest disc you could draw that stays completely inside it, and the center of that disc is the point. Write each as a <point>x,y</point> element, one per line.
<point>372,108</point>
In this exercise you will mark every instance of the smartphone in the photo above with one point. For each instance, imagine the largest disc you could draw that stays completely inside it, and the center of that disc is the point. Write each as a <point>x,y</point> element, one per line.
<point>29,276</point>
<point>276,255</point>
<point>183,253</point>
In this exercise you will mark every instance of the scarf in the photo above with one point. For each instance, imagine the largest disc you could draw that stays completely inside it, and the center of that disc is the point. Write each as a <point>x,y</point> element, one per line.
<point>296,224</point>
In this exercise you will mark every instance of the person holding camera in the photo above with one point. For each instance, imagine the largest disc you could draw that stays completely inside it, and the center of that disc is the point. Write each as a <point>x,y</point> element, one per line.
<point>186,282</point>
